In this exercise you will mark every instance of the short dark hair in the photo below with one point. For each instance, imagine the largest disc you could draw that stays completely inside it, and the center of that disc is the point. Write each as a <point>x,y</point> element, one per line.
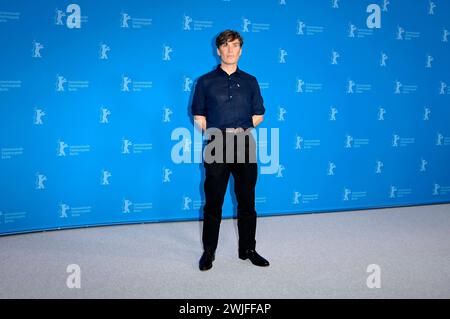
<point>228,35</point>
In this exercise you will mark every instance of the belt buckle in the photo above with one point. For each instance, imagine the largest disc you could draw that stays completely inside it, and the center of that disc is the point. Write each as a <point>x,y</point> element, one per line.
<point>234,130</point>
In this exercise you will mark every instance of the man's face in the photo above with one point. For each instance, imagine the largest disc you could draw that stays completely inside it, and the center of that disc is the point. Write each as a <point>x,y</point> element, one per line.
<point>230,52</point>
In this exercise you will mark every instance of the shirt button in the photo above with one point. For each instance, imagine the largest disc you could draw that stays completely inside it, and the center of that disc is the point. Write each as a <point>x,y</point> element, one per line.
<point>231,96</point>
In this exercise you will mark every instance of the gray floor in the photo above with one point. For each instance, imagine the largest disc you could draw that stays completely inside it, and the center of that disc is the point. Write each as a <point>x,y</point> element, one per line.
<point>312,256</point>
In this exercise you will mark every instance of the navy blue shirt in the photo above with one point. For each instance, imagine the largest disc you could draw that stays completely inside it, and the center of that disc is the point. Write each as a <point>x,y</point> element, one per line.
<point>227,101</point>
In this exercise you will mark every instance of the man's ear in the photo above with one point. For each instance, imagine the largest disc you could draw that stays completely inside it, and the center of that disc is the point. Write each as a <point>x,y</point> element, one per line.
<point>218,52</point>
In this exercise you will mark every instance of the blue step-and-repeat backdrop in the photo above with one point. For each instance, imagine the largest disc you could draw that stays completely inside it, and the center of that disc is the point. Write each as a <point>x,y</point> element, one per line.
<point>95,126</point>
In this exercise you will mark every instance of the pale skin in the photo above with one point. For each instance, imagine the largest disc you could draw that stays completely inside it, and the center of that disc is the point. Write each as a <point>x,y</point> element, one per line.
<point>229,53</point>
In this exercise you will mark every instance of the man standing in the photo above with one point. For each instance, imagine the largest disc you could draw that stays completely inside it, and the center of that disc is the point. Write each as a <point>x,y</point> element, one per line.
<point>228,100</point>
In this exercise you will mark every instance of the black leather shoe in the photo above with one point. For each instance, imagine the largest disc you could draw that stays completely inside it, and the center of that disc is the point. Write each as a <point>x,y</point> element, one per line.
<point>254,257</point>
<point>206,261</point>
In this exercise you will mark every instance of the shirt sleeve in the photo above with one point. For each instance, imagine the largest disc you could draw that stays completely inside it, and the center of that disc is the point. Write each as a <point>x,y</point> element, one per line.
<point>257,100</point>
<point>198,101</point>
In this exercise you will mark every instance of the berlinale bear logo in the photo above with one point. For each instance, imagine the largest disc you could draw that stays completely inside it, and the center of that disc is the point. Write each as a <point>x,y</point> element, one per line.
<point>73,19</point>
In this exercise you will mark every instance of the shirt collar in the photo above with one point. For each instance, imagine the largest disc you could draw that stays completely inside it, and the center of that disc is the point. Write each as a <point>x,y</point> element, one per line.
<point>220,70</point>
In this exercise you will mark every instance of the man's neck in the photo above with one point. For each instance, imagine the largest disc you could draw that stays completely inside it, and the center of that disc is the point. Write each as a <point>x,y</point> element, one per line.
<point>229,68</point>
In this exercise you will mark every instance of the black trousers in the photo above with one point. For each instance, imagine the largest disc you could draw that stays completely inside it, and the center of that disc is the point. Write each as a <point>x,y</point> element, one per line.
<point>216,181</point>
